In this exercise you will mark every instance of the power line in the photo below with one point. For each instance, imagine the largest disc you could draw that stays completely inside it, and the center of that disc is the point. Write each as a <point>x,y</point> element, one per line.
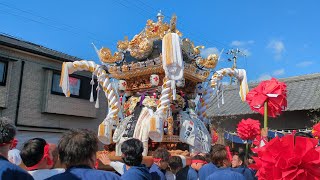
<point>42,17</point>
<point>145,10</point>
<point>35,21</point>
<point>149,6</point>
<point>219,44</point>
<point>93,36</point>
<point>69,28</point>
<point>119,2</point>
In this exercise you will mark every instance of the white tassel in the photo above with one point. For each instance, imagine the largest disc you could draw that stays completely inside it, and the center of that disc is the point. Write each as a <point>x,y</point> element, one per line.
<point>222,97</point>
<point>92,84</point>
<point>97,100</point>
<point>218,91</point>
<point>173,87</point>
<point>218,99</point>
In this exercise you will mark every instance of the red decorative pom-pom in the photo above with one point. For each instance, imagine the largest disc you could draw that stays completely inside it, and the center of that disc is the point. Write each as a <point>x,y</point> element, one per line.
<point>272,91</point>
<point>248,129</point>
<point>288,158</point>
<point>316,131</point>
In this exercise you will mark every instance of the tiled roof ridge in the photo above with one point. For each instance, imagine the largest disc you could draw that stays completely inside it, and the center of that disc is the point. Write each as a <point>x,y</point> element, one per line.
<point>287,80</point>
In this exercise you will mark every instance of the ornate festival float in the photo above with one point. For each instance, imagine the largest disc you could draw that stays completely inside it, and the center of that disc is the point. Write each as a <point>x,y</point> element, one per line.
<point>157,87</point>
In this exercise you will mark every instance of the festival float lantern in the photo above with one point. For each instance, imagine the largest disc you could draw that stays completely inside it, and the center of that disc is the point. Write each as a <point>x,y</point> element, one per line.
<point>154,80</point>
<point>159,74</point>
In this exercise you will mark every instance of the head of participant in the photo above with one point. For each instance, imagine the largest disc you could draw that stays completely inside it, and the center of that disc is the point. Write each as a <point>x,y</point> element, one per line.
<point>220,156</point>
<point>36,154</point>
<point>78,147</point>
<point>175,164</point>
<point>7,134</point>
<point>161,158</point>
<point>238,160</point>
<point>132,152</point>
<point>197,162</point>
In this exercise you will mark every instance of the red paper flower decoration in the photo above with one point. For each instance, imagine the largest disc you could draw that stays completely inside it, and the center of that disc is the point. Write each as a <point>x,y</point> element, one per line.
<point>288,158</point>
<point>214,137</point>
<point>272,91</point>
<point>248,129</point>
<point>316,131</point>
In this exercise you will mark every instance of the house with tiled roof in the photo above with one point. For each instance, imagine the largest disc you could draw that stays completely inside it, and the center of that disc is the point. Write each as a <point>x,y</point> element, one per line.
<point>303,96</point>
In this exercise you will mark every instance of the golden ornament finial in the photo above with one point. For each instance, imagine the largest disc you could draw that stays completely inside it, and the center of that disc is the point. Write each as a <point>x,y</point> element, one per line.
<point>173,23</point>
<point>160,16</point>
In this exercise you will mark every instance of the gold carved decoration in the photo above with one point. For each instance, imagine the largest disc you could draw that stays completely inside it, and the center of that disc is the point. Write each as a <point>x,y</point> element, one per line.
<point>140,47</point>
<point>106,56</point>
<point>210,62</point>
<point>189,47</point>
<point>156,30</point>
<point>123,45</point>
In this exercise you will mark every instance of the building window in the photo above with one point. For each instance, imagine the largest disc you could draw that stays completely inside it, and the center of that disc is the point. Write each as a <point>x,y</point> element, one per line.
<point>73,82</point>
<point>79,86</point>
<point>3,72</point>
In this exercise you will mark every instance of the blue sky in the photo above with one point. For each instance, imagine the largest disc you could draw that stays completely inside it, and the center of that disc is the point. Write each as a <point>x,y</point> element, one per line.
<point>280,38</point>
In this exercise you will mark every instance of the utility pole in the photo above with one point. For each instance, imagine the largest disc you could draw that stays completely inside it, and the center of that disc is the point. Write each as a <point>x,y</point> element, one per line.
<point>234,53</point>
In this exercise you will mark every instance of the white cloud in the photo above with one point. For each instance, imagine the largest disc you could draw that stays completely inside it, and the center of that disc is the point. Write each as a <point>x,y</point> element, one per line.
<point>304,64</point>
<point>211,50</point>
<point>241,43</point>
<point>246,52</point>
<point>277,48</point>
<point>243,46</point>
<point>263,77</point>
<point>278,72</point>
